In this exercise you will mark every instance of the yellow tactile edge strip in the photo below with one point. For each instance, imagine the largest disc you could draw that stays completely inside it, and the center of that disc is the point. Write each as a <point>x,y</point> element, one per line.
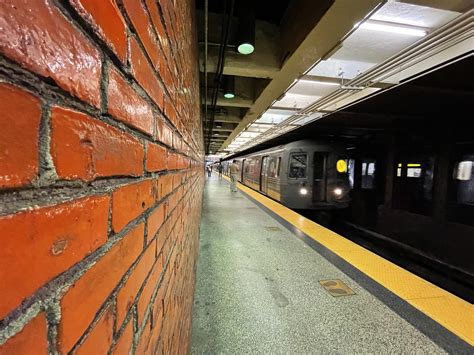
<point>448,310</point>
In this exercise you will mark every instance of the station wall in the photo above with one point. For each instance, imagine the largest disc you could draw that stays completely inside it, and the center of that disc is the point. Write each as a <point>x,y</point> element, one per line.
<point>101,157</point>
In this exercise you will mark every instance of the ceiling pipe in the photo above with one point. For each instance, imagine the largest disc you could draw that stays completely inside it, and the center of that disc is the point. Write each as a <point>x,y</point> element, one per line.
<point>206,29</point>
<point>225,30</point>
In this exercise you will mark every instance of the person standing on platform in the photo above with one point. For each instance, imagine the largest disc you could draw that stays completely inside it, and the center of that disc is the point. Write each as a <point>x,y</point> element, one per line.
<point>209,171</point>
<point>234,171</point>
<point>219,169</point>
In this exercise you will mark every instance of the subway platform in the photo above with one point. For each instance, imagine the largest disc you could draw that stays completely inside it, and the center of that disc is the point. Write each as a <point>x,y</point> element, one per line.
<point>260,288</point>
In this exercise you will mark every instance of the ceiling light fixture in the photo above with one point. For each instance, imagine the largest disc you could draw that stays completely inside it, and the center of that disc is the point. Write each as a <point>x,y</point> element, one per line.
<point>229,87</point>
<point>246,35</point>
<point>319,82</point>
<point>384,27</point>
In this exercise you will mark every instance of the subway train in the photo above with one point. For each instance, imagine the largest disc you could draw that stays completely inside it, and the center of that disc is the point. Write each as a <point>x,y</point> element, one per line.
<point>300,175</point>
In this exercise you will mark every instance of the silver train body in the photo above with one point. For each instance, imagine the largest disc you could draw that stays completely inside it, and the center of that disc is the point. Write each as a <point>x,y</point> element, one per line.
<point>300,175</point>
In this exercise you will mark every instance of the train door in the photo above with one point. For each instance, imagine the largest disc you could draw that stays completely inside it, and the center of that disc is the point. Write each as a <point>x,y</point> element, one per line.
<point>264,175</point>
<point>242,172</point>
<point>319,177</point>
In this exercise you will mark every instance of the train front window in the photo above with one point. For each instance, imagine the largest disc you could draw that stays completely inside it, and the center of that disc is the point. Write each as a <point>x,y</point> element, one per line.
<point>298,164</point>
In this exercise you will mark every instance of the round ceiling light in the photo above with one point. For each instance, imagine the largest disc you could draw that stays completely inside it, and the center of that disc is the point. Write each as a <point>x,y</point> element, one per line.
<point>245,48</point>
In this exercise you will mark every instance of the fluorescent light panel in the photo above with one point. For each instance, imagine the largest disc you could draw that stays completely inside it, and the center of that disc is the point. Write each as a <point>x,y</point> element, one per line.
<point>392,29</point>
<point>319,82</point>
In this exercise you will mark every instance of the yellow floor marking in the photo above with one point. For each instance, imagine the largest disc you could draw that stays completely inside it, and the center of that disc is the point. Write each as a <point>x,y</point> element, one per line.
<point>450,311</point>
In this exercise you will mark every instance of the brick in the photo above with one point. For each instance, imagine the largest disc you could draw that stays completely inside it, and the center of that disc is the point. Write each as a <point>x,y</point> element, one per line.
<point>160,30</point>
<point>139,18</point>
<point>33,336</point>
<point>170,112</point>
<point>38,245</point>
<point>156,157</point>
<point>130,289</point>
<point>165,184</point>
<point>85,148</point>
<point>144,339</point>
<point>107,21</point>
<point>124,343</point>
<point>144,73</point>
<point>155,220</point>
<point>20,114</point>
<point>164,133</point>
<point>172,161</point>
<point>37,36</point>
<point>125,104</point>
<point>129,201</point>
<point>82,301</point>
<point>147,292</point>
<point>162,237</point>
<point>99,339</point>
<point>177,178</point>
<point>158,308</point>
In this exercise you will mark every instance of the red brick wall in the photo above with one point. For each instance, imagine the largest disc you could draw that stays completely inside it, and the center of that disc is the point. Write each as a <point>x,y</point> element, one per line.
<point>100,175</point>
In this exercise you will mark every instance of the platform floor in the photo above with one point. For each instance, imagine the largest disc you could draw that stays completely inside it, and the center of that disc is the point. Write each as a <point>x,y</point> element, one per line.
<point>258,291</point>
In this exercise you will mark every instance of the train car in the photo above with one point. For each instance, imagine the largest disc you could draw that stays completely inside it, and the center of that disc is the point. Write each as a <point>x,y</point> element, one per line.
<point>300,175</point>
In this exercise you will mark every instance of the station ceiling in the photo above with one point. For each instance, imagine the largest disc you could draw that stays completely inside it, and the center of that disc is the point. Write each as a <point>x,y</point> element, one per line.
<point>332,67</point>
<point>439,101</point>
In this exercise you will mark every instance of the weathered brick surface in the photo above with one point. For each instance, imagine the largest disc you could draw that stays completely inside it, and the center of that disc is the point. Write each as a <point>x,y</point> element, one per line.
<point>39,245</point>
<point>80,304</point>
<point>105,16</point>
<point>100,337</point>
<point>124,342</point>
<point>32,336</point>
<point>85,148</point>
<point>124,103</point>
<point>156,157</point>
<point>130,201</point>
<point>144,74</point>
<point>20,114</point>
<point>36,35</point>
<point>130,289</point>
<point>101,180</point>
<point>139,18</point>
<point>155,220</point>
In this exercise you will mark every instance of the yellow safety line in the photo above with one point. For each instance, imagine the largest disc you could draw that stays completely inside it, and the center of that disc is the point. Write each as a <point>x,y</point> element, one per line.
<point>450,311</point>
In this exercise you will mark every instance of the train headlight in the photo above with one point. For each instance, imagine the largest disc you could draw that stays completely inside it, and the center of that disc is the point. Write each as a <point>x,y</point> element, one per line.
<point>303,191</point>
<point>338,191</point>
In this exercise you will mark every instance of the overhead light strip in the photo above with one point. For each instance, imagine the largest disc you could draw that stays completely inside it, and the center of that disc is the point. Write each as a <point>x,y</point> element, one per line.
<point>319,82</point>
<point>385,27</point>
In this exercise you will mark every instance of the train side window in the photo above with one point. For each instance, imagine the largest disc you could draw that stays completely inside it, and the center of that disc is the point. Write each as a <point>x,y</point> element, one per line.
<point>278,167</point>
<point>413,186</point>
<point>413,170</point>
<point>463,175</point>
<point>272,167</point>
<point>298,163</point>
<point>368,174</point>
